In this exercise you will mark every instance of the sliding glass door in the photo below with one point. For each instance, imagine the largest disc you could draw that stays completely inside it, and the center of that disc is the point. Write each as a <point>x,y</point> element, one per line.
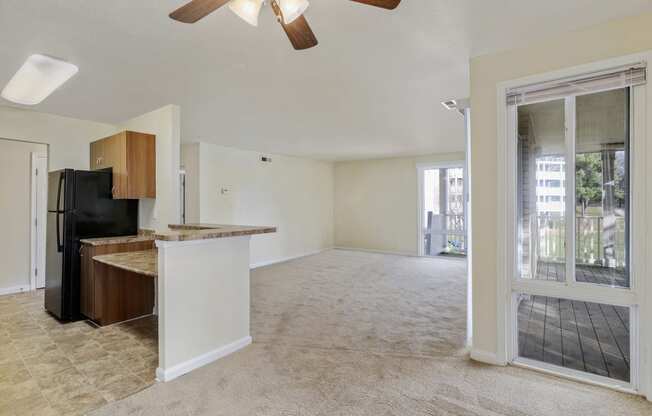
<point>442,209</point>
<point>574,299</point>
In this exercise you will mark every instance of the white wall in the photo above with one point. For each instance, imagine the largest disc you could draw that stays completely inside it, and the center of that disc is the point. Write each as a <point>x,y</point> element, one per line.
<point>68,138</point>
<point>293,194</point>
<point>165,123</point>
<point>376,202</point>
<point>15,218</point>
<point>607,40</point>
<point>66,142</point>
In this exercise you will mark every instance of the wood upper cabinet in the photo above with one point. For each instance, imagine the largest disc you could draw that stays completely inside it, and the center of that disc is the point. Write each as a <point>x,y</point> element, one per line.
<point>132,156</point>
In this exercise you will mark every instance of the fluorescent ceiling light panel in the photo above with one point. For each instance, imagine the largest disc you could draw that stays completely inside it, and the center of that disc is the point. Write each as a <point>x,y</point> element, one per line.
<point>39,77</point>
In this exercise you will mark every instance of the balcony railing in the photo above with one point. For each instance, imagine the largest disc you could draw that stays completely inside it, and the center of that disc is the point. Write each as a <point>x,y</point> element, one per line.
<point>589,243</point>
<point>449,225</point>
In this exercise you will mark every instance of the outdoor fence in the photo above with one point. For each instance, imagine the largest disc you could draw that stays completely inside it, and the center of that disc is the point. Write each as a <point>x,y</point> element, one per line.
<point>452,226</point>
<point>589,243</point>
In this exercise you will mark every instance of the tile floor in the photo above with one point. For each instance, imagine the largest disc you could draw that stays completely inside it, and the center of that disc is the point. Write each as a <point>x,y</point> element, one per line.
<point>48,368</point>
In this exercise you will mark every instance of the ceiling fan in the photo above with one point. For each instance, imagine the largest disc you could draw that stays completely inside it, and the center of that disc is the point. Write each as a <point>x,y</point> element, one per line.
<point>289,14</point>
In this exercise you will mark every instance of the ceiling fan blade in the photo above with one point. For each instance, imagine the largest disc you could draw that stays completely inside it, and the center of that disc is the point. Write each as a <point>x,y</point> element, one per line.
<point>196,9</point>
<point>299,32</point>
<point>385,4</point>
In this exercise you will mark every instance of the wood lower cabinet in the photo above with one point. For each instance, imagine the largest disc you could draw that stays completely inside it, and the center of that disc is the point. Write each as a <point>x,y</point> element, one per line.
<point>132,156</point>
<point>106,296</point>
<point>121,295</point>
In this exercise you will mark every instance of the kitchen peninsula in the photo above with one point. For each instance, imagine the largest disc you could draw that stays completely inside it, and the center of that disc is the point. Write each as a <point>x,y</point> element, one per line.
<point>203,294</point>
<point>202,275</point>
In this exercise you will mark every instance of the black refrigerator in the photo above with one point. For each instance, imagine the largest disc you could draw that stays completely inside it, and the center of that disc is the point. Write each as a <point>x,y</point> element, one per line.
<point>80,205</point>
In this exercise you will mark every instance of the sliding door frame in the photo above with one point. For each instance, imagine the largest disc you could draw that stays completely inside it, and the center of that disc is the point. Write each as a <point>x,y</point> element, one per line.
<point>508,285</point>
<point>421,168</point>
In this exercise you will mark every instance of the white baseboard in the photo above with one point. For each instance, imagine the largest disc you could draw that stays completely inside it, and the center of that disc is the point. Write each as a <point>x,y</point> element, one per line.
<point>14,289</point>
<point>200,361</point>
<point>283,260</point>
<point>486,357</point>
<point>367,250</point>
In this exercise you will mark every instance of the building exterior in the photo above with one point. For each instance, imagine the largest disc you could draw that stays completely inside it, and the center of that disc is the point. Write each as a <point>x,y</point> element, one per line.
<point>551,185</point>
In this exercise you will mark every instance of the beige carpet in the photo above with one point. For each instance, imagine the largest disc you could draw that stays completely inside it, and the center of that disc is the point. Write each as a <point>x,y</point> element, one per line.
<point>348,333</point>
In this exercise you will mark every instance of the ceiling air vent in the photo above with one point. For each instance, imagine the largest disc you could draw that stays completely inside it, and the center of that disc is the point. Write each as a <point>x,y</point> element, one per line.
<point>450,104</point>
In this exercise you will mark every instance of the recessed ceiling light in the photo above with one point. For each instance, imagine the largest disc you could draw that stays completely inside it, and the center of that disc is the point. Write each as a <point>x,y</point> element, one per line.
<point>39,77</point>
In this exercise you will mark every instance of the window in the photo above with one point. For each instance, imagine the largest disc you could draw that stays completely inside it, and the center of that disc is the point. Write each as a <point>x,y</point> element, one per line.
<point>585,253</point>
<point>573,234</point>
<point>442,219</point>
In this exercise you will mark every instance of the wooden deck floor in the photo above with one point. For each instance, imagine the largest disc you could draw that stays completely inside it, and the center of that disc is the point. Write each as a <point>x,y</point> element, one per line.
<point>583,336</point>
<point>589,274</point>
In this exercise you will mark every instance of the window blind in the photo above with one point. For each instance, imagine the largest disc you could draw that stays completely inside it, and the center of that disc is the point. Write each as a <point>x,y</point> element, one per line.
<point>621,77</point>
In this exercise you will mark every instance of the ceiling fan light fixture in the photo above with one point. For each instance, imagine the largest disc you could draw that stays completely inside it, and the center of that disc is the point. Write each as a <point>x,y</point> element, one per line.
<point>247,10</point>
<point>292,9</point>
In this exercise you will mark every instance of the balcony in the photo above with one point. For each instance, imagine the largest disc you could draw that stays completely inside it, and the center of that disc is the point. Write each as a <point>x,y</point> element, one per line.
<point>584,336</point>
<point>596,260</point>
<point>444,234</point>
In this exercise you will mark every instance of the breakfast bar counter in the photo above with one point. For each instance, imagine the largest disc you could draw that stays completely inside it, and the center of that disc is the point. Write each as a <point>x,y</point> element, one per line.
<point>108,241</point>
<point>189,232</point>
<point>140,262</point>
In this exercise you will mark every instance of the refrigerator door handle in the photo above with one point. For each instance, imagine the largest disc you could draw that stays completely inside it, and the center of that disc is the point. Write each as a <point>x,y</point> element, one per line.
<point>59,245</point>
<point>61,179</point>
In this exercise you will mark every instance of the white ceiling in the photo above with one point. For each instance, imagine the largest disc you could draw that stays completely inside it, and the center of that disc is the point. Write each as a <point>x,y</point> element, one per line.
<point>372,88</point>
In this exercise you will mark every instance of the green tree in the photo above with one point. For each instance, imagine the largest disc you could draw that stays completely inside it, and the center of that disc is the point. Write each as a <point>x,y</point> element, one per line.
<point>620,179</point>
<point>588,179</point>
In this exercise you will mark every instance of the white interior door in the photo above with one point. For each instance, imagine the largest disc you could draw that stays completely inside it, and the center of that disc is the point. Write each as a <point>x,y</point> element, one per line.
<point>39,218</point>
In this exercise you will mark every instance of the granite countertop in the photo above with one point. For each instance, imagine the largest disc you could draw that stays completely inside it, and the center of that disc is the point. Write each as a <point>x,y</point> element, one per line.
<point>142,262</point>
<point>105,241</point>
<point>187,232</point>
